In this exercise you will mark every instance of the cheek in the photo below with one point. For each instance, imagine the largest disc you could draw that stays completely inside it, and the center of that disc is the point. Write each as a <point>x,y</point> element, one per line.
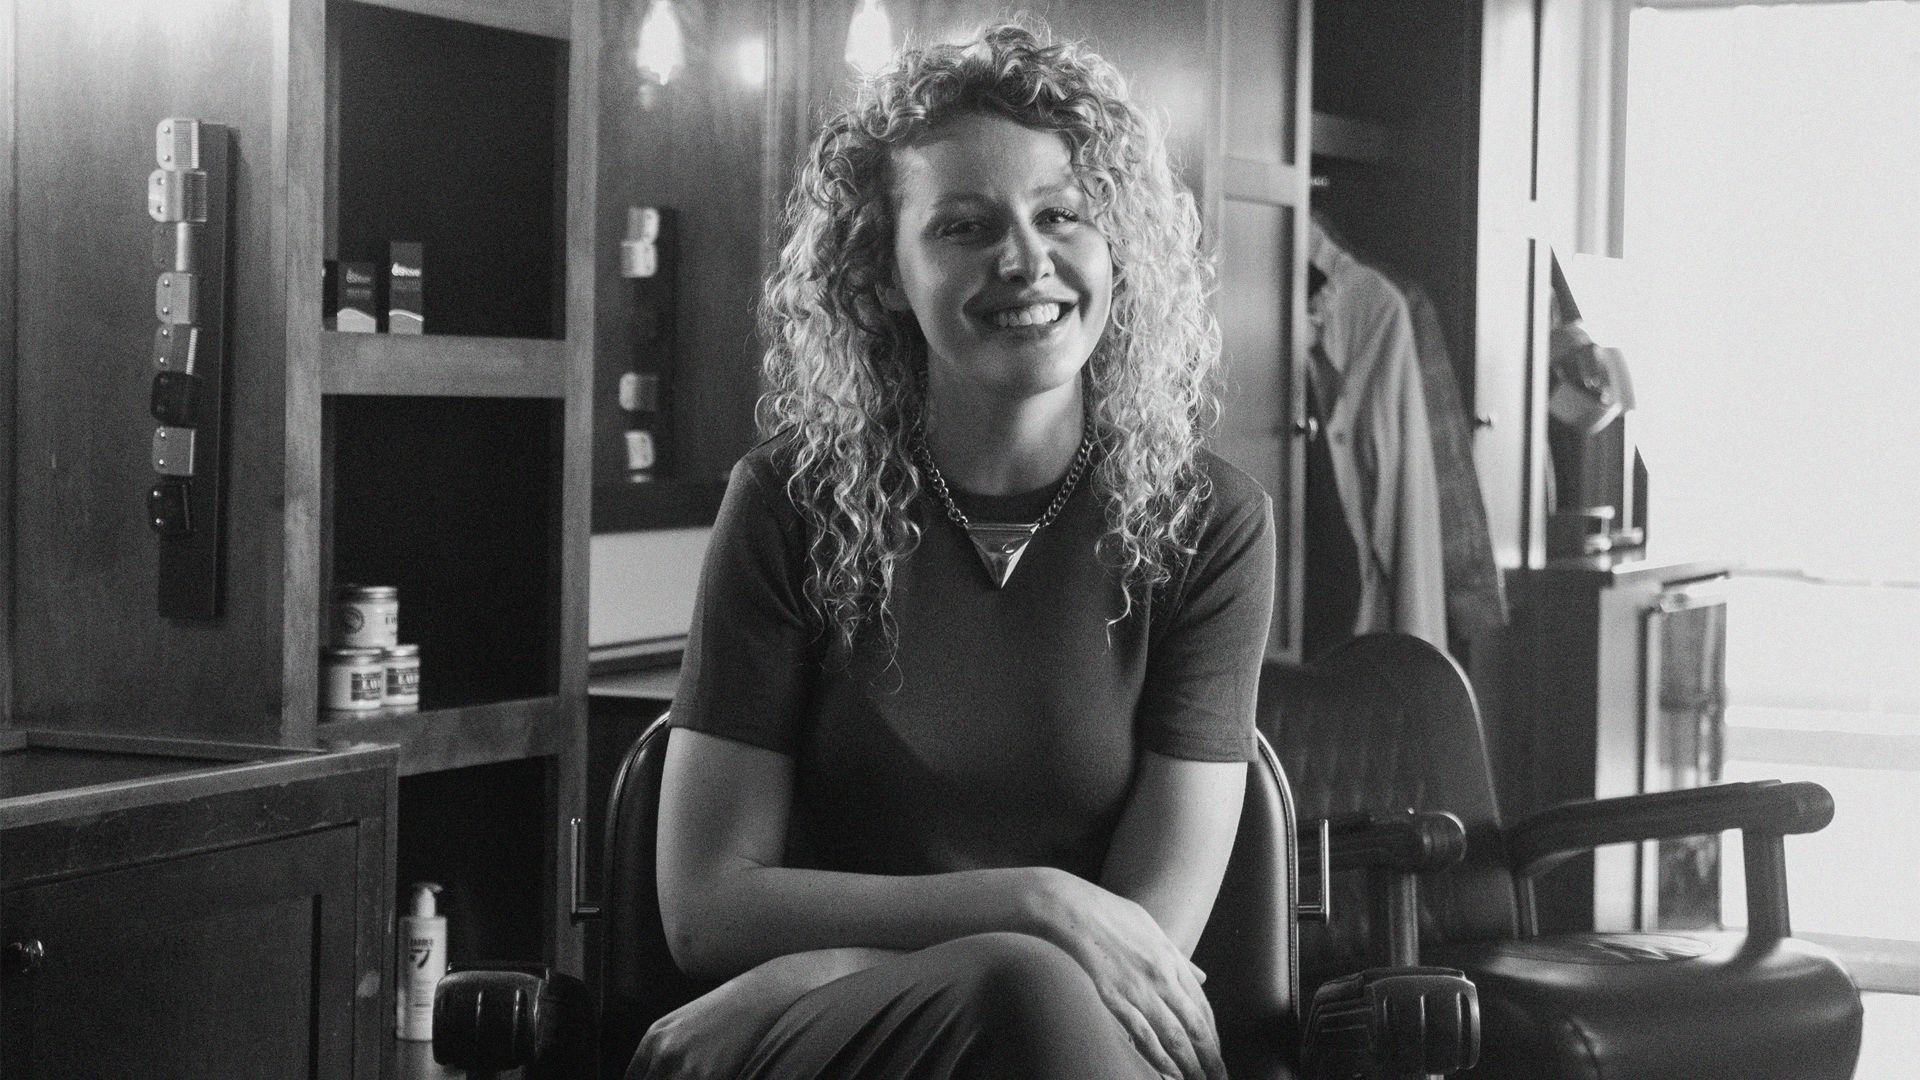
<point>1097,272</point>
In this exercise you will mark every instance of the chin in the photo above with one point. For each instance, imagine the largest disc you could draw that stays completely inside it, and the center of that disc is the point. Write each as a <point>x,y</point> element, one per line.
<point>1026,379</point>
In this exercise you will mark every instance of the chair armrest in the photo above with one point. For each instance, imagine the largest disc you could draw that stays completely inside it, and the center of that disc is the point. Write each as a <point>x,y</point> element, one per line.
<point>514,1016</point>
<point>1394,848</point>
<point>1414,841</point>
<point>1393,1021</point>
<point>1760,806</point>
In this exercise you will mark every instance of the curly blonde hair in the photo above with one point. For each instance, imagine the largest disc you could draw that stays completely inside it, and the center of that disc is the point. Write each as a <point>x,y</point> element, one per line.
<point>844,374</point>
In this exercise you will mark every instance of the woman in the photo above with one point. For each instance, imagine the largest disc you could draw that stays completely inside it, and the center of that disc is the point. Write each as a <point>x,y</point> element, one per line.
<point>960,744</point>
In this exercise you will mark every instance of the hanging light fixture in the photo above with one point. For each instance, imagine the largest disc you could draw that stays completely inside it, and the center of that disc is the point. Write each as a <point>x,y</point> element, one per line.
<point>869,38</point>
<point>660,49</point>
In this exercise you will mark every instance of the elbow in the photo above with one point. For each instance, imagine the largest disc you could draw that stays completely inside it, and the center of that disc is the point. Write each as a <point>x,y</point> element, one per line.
<point>691,927</point>
<point>685,943</point>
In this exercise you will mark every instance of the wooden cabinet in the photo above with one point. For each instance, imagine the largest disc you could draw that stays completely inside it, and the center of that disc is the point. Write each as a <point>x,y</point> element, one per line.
<point>166,912</point>
<point>1617,686</point>
<point>452,464</point>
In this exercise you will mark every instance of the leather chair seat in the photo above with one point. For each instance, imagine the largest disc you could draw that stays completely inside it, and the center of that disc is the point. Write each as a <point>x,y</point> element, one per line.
<point>1616,1006</point>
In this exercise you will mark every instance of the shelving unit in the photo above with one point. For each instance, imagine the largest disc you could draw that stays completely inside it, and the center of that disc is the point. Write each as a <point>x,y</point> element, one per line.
<point>453,463</point>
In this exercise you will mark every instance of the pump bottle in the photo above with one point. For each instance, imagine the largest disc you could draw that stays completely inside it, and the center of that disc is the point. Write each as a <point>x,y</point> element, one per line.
<point>423,961</point>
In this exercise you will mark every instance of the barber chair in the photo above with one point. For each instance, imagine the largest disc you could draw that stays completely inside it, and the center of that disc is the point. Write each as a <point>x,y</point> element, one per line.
<point>1380,1022</point>
<point>1382,737</point>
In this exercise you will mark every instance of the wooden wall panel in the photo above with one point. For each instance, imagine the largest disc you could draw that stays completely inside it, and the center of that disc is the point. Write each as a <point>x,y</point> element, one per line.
<point>92,78</point>
<point>700,150</point>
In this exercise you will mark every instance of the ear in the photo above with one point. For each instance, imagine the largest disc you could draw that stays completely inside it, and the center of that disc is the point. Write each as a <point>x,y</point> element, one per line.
<point>893,298</point>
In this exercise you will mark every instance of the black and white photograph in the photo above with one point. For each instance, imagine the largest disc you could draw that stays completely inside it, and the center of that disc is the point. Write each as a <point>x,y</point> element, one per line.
<point>959,539</point>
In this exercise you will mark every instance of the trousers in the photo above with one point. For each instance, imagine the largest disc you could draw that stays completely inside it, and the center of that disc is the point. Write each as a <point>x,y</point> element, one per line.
<point>987,1007</point>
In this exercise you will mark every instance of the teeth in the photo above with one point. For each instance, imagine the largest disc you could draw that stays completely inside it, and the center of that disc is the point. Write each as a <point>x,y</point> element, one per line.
<point>1033,315</point>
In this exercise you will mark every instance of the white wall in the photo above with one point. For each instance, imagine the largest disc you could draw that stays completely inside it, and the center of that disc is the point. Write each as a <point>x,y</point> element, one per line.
<point>641,584</point>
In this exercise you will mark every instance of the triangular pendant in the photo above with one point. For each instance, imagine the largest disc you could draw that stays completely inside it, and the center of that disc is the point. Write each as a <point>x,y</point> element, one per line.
<point>1000,547</point>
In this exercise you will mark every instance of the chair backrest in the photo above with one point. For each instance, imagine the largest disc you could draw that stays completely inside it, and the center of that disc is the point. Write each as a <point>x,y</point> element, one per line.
<point>639,982</point>
<point>1383,723</point>
<point>1250,949</point>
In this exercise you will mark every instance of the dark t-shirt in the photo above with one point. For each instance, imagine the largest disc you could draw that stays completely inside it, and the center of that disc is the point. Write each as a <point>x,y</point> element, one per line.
<point>1005,728</point>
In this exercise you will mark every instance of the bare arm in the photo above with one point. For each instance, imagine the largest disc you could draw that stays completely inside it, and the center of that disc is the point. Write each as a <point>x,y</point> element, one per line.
<point>729,905</point>
<point>1170,848</point>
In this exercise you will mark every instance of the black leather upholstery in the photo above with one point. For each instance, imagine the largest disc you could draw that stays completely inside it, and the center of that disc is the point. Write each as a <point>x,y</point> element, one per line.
<point>1372,727</point>
<point>1387,722</point>
<point>1249,949</point>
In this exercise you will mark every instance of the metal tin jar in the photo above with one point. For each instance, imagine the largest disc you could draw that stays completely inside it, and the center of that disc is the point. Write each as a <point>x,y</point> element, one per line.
<point>366,617</point>
<point>353,680</point>
<point>402,664</point>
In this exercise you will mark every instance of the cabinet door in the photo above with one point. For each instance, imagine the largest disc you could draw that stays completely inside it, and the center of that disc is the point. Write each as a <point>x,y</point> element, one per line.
<point>1258,221</point>
<point>235,963</point>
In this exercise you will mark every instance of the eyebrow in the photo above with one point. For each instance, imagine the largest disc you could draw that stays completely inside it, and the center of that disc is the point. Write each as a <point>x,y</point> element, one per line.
<point>1044,190</point>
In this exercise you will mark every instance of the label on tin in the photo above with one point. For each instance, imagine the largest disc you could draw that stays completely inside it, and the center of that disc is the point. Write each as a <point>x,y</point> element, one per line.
<point>369,624</point>
<point>366,686</point>
<point>353,684</point>
<point>403,683</point>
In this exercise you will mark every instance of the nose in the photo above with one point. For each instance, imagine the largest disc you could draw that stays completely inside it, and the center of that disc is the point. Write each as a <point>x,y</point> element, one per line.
<point>1025,255</point>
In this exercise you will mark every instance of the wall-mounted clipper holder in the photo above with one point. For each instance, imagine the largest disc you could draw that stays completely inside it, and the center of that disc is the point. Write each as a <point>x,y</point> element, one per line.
<point>190,198</point>
<point>649,256</point>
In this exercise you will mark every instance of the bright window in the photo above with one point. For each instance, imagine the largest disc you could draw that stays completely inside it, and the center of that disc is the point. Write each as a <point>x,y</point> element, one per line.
<point>1772,235</point>
<point>1772,232</point>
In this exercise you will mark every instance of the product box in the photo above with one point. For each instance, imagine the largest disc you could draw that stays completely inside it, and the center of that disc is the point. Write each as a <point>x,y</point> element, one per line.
<point>406,288</point>
<point>357,291</point>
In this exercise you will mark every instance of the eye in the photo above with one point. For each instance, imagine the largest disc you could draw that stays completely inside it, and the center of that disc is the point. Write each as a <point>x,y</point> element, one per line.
<point>1058,215</point>
<point>960,229</point>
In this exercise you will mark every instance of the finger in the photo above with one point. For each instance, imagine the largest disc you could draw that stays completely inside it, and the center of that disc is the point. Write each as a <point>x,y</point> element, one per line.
<point>1206,1036</point>
<point>1194,969</point>
<point>1145,1041</point>
<point>1189,1006</point>
<point>1167,1013</point>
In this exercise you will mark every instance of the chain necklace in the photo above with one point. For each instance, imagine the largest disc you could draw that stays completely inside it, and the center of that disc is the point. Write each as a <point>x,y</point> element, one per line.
<point>1001,543</point>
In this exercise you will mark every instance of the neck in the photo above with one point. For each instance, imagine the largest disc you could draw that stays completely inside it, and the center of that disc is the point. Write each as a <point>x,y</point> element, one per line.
<point>994,446</point>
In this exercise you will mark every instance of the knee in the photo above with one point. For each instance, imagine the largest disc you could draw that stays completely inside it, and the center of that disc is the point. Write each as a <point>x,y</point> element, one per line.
<point>1019,982</point>
<point>1035,1013</point>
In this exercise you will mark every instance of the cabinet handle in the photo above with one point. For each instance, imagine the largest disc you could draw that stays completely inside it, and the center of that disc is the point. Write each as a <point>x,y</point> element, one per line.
<point>580,911</point>
<point>1310,427</point>
<point>25,957</point>
<point>1485,420</point>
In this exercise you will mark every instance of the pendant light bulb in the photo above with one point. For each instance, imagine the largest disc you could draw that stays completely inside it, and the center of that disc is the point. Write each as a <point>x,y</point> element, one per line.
<point>870,38</point>
<point>661,50</point>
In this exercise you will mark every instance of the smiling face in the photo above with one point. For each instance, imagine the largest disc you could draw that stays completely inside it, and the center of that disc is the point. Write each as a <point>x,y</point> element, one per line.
<point>996,254</point>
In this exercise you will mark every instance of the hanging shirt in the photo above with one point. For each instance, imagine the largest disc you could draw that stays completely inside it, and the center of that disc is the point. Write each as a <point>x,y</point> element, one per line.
<point>1476,598</point>
<point>1379,443</point>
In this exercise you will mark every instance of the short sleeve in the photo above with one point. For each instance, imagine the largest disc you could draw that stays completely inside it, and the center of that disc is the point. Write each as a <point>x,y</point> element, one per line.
<point>751,654</point>
<point>1203,668</point>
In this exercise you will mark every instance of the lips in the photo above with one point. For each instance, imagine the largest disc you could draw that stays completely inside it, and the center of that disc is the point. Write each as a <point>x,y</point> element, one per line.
<point>1039,314</point>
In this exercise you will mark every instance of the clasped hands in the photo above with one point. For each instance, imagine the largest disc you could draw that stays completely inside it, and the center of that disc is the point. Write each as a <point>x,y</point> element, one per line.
<point>1145,980</point>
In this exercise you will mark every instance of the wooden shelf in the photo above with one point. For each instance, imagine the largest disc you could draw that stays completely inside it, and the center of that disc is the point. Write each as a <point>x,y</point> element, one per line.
<point>439,739</point>
<point>442,365</point>
<point>547,18</point>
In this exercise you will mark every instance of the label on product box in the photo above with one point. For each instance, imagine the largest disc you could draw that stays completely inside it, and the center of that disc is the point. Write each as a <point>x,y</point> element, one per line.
<point>406,288</point>
<point>357,303</point>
